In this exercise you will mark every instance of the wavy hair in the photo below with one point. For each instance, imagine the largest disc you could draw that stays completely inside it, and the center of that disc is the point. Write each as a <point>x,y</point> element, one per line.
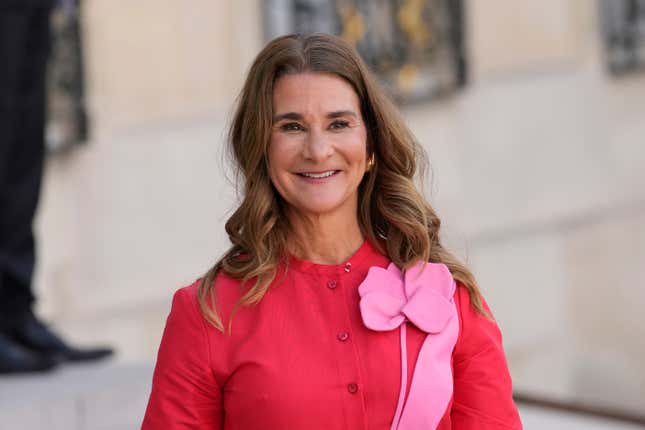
<point>393,215</point>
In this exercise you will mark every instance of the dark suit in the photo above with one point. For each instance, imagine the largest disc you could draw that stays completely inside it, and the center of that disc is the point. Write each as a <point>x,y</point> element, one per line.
<point>26,343</point>
<point>24,49</point>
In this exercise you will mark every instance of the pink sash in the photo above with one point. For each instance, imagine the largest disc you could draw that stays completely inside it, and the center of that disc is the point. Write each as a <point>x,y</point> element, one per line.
<point>423,296</point>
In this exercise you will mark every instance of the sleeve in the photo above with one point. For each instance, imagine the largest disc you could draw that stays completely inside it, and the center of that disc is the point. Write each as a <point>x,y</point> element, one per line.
<point>483,397</point>
<point>185,394</point>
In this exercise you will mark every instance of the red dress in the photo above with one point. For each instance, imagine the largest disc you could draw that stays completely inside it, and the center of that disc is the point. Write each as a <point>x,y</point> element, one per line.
<point>303,359</point>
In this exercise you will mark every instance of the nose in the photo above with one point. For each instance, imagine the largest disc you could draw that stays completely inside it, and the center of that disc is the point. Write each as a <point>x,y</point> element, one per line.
<point>317,147</point>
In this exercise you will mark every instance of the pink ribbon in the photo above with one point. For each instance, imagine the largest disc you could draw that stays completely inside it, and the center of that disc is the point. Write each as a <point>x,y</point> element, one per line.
<point>423,296</point>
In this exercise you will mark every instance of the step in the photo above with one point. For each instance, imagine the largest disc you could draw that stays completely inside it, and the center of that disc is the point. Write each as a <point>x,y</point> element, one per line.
<point>113,396</point>
<point>105,396</point>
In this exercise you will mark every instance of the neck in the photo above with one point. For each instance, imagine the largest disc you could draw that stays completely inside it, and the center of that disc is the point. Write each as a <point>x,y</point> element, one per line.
<point>325,239</point>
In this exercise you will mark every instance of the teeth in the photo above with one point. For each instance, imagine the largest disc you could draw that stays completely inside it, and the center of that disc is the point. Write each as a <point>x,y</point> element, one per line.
<point>319,175</point>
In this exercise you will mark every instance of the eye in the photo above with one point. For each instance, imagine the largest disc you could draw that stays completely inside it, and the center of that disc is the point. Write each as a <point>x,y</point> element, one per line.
<point>291,127</point>
<point>339,125</point>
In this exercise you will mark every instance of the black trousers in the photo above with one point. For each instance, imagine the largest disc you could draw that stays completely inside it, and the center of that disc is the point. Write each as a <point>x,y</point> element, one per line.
<point>24,49</point>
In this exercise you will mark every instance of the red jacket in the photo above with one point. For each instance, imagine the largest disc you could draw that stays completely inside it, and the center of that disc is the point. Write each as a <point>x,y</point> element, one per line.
<point>303,359</point>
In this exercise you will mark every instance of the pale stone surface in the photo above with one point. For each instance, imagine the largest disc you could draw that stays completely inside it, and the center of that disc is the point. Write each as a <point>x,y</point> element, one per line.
<point>606,300</point>
<point>539,419</point>
<point>88,397</point>
<point>161,59</point>
<point>141,217</point>
<point>507,35</point>
<point>523,280</point>
<point>55,414</point>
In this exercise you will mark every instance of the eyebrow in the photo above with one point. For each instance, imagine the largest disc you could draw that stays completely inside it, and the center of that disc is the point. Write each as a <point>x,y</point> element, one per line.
<point>298,117</point>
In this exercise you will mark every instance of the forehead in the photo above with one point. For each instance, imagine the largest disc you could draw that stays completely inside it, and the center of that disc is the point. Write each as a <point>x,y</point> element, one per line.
<point>311,91</point>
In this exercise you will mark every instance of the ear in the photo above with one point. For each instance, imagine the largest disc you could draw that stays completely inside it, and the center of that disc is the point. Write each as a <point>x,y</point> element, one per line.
<point>371,161</point>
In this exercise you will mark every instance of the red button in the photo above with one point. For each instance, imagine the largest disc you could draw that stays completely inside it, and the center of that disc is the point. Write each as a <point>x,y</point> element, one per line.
<point>352,388</point>
<point>342,336</point>
<point>332,284</point>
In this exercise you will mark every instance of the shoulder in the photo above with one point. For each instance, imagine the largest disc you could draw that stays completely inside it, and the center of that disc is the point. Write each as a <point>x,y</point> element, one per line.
<point>227,291</point>
<point>223,285</point>
<point>223,295</point>
<point>185,314</point>
<point>476,331</point>
<point>465,307</point>
<point>464,302</point>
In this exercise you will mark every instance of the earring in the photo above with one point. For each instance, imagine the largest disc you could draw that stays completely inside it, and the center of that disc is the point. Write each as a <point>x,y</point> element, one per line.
<point>370,162</point>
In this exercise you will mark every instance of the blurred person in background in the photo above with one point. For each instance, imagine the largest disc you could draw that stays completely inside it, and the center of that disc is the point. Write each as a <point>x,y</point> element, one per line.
<point>337,307</point>
<point>26,343</point>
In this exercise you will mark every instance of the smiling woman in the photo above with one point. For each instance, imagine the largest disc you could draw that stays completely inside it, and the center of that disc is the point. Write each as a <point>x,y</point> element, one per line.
<point>342,308</point>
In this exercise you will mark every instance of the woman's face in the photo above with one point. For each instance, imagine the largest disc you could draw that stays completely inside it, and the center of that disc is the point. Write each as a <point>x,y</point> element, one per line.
<point>318,150</point>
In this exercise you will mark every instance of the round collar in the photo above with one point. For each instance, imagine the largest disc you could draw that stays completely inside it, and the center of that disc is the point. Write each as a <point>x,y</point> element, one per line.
<point>360,258</point>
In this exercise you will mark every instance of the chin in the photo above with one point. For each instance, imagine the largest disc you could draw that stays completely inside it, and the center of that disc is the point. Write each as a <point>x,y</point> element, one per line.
<point>318,208</point>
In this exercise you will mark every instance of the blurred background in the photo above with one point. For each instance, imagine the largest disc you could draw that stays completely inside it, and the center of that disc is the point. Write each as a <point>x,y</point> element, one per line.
<point>533,115</point>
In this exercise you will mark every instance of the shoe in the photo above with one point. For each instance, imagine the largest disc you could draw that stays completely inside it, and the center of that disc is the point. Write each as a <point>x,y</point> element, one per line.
<point>36,336</point>
<point>17,359</point>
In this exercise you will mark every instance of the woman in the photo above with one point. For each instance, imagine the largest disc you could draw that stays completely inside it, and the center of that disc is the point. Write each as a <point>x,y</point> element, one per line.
<point>336,306</point>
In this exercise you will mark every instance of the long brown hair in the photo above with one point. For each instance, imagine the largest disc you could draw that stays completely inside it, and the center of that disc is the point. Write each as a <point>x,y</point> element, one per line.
<point>390,207</point>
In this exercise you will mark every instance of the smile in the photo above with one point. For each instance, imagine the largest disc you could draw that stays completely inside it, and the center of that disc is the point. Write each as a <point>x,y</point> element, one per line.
<point>320,175</point>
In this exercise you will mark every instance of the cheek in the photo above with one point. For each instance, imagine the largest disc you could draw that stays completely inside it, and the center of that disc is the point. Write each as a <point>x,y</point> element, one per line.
<point>280,155</point>
<point>356,149</point>
<point>275,153</point>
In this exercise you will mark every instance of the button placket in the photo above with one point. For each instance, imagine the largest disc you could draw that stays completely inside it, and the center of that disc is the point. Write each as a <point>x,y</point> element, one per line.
<point>340,283</point>
<point>342,335</point>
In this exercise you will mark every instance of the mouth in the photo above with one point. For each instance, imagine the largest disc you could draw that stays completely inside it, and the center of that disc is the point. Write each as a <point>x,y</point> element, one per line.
<point>318,175</point>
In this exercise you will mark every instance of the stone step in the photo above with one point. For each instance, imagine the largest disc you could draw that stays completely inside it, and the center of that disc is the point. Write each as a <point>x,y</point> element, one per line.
<point>536,418</point>
<point>104,396</point>
<point>113,396</point>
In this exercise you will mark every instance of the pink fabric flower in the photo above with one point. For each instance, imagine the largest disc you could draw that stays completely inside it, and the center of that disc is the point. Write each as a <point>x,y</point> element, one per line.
<point>423,296</point>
